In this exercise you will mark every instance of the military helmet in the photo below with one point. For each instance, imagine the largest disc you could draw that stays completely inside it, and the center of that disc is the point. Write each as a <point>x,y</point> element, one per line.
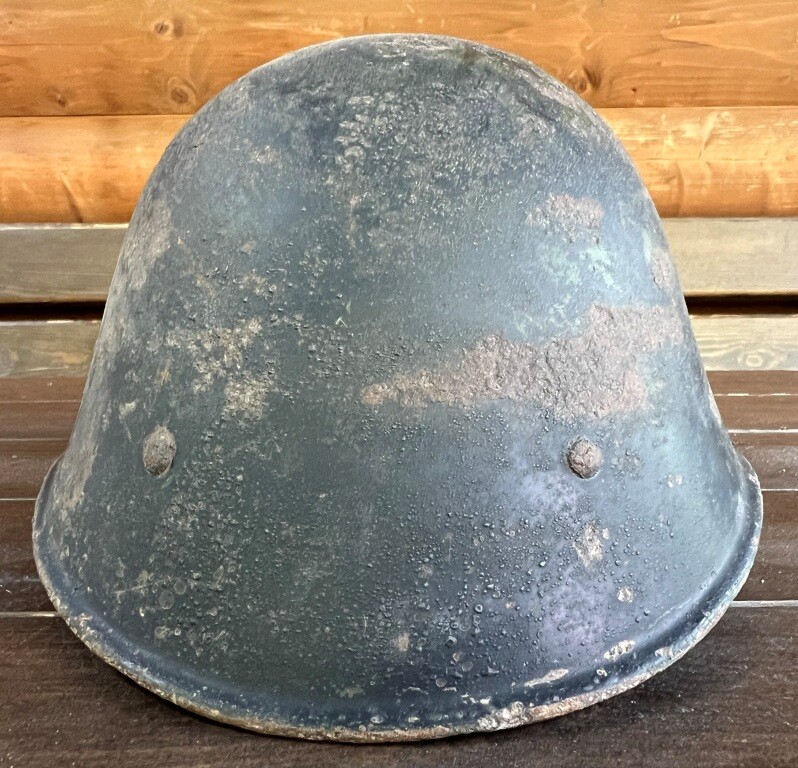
<point>396,427</point>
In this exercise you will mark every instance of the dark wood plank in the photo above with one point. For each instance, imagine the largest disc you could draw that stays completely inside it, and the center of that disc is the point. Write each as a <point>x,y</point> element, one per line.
<point>37,420</point>
<point>17,389</point>
<point>773,577</point>
<point>732,701</point>
<point>24,463</point>
<point>725,342</point>
<point>20,587</point>
<point>714,257</point>
<point>20,389</point>
<point>775,572</point>
<point>773,455</point>
<point>54,418</point>
<point>778,382</point>
<point>772,412</point>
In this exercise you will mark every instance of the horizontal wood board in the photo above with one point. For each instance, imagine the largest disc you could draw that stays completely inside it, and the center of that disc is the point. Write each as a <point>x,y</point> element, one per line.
<point>79,58</point>
<point>716,258</point>
<point>726,342</point>
<point>695,161</point>
<point>732,702</point>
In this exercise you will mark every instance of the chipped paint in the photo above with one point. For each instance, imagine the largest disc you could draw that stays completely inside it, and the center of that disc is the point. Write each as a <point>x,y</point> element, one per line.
<point>619,649</point>
<point>589,546</point>
<point>549,677</point>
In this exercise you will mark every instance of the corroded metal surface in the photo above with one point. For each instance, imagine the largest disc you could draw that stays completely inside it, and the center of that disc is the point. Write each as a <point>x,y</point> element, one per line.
<point>396,426</point>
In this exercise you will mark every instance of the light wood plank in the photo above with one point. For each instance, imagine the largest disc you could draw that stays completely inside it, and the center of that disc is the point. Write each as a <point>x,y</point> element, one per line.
<point>77,169</point>
<point>727,257</point>
<point>715,258</point>
<point>77,58</point>
<point>726,343</point>
<point>747,342</point>
<point>695,162</point>
<point>58,263</point>
<point>714,162</point>
<point>46,348</point>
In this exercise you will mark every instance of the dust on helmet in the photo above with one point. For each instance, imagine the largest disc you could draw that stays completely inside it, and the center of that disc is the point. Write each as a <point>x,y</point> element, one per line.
<point>396,426</point>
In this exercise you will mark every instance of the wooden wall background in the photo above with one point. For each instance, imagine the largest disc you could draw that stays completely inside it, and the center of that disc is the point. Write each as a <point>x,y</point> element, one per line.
<point>703,93</point>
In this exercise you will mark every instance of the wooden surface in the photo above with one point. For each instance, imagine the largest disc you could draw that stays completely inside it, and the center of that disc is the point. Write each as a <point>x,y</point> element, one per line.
<point>695,161</point>
<point>715,258</point>
<point>73,57</point>
<point>725,341</point>
<point>731,702</point>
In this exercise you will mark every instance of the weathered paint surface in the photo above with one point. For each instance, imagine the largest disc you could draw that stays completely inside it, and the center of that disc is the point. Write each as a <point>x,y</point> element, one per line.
<point>395,427</point>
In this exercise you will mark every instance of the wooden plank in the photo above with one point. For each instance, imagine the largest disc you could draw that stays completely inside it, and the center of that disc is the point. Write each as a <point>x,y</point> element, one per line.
<point>46,348</point>
<point>714,162</point>
<point>695,161</point>
<point>715,258</point>
<point>20,586</point>
<point>730,702</point>
<point>58,263</point>
<point>774,456</point>
<point>747,342</point>
<point>29,389</point>
<point>77,58</point>
<point>78,169</point>
<point>24,463</point>
<point>38,412</point>
<point>742,384</point>
<point>726,342</point>
<point>744,414</point>
<point>726,257</point>
<point>773,577</point>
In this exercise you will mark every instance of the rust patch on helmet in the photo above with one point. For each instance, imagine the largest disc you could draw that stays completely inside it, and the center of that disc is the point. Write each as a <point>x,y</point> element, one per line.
<point>591,375</point>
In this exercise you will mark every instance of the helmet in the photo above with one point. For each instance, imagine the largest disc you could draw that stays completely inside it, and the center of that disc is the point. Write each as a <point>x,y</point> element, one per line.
<point>396,426</point>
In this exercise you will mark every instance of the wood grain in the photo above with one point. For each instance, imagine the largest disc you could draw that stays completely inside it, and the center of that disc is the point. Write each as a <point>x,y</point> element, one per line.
<point>695,162</point>
<point>29,410</point>
<point>721,257</point>
<point>731,701</point>
<point>774,457</point>
<point>716,258</point>
<point>79,58</point>
<point>726,342</point>
<point>747,342</point>
<point>46,348</point>
<point>57,263</point>
<point>78,169</point>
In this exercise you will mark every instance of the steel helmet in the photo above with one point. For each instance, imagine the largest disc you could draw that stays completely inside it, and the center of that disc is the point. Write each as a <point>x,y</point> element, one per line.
<point>396,426</point>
